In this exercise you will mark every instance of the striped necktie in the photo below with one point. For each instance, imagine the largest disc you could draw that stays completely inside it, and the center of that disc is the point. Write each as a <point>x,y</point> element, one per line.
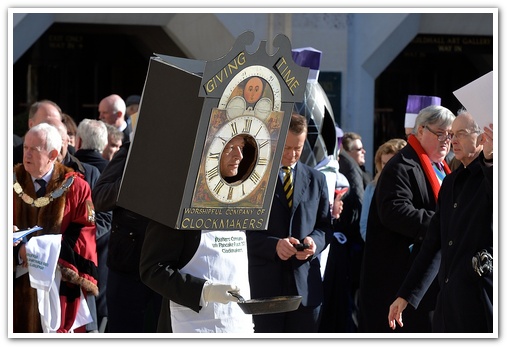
<point>439,171</point>
<point>288,186</point>
<point>439,166</point>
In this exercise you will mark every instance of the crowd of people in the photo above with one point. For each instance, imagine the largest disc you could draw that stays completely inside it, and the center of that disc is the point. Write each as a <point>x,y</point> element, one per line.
<point>416,239</point>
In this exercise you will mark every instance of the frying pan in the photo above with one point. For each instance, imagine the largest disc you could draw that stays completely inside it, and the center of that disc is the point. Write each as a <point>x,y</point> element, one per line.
<point>276,304</point>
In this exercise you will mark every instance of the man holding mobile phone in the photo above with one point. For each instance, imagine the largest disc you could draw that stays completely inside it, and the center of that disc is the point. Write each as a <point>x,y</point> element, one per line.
<point>284,260</point>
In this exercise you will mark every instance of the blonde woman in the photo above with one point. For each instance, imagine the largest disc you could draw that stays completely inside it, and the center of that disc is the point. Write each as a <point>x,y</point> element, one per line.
<point>385,152</point>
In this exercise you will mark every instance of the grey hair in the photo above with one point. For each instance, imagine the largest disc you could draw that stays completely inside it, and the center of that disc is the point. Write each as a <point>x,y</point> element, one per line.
<point>93,134</point>
<point>434,114</point>
<point>114,132</point>
<point>50,134</point>
<point>474,126</point>
<point>36,105</point>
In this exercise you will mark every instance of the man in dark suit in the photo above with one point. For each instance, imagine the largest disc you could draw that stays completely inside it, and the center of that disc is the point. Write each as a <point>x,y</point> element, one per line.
<point>91,138</point>
<point>458,248</point>
<point>301,217</point>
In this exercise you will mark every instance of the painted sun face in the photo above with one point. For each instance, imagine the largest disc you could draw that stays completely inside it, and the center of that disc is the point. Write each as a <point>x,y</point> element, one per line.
<point>255,75</point>
<point>253,90</point>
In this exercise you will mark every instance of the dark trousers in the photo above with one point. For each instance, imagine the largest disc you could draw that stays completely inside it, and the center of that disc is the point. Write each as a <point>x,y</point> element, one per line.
<point>132,306</point>
<point>303,320</point>
<point>102,279</point>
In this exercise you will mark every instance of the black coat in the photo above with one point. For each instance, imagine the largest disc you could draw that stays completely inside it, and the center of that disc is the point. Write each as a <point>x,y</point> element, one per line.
<point>92,157</point>
<point>348,223</point>
<point>349,220</point>
<point>165,252</point>
<point>400,213</point>
<point>461,226</point>
<point>127,227</point>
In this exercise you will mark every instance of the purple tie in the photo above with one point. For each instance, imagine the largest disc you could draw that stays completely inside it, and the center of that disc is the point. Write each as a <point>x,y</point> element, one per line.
<point>440,166</point>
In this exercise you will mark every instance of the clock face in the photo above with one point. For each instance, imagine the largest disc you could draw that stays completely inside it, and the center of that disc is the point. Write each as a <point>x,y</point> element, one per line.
<point>242,136</point>
<point>255,87</point>
<point>244,142</point>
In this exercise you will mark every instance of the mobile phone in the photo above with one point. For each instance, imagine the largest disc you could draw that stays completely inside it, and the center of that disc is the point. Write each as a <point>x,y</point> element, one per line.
<point>301,246</point>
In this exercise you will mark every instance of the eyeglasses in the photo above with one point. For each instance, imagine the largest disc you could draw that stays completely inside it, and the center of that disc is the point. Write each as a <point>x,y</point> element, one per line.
<point>461,134</point>
<point>440,137</point>
<point>357,149</point>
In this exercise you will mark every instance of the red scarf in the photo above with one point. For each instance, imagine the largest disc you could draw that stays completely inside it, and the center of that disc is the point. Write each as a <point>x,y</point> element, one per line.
<point>426,165</point>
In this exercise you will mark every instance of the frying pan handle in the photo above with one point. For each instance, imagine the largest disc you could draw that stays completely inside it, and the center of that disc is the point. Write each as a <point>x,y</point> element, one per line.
<point>237,296</point>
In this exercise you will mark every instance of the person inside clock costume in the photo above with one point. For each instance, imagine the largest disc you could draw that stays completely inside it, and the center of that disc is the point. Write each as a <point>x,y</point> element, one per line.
<point>195,270</point>
<point>275,267</point>
<point>238,158</point>
<point>194,273</point>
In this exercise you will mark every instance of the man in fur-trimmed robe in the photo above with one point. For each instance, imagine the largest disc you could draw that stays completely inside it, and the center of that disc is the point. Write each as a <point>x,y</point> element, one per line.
<point>66,208</point>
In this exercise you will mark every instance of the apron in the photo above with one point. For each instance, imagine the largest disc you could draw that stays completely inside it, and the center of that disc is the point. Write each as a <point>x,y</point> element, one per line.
<point>42,253</point>
<point>220,258</point>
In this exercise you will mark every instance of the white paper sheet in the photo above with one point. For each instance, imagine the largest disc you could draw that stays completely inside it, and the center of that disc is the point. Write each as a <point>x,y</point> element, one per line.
<point>477,98</point>
<point>17,235</point>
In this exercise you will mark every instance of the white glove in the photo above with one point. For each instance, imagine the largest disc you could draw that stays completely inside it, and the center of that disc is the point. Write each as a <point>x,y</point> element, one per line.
<point>218,292</point>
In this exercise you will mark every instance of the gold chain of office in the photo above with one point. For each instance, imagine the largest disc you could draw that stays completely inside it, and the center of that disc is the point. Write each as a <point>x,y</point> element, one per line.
<point>43,200</point>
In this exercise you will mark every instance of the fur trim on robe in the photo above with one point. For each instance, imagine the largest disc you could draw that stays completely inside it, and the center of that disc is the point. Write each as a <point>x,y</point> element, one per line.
<point>73,216</point>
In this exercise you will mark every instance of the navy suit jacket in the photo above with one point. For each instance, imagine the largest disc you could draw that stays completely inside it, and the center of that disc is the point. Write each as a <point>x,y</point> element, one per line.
<point>310,216</point>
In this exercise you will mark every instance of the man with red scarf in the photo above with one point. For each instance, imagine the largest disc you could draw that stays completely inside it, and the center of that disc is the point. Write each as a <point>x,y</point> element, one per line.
<point>64,207</point>
<point>461,232</point>
<point>400,213</point>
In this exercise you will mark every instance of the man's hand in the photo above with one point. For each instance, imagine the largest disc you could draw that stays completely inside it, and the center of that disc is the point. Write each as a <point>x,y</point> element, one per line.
<point>14,229</point>
<point>395,311</point>
<point>307,252</point>
<point>22,255</point>
<point>487,142</point>
<point>337,208</point>
<point>285,248</point>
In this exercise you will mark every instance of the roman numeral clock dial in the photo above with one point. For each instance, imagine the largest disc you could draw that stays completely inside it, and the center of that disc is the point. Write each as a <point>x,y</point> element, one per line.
<point>256,154</point>
<point>249,112</point>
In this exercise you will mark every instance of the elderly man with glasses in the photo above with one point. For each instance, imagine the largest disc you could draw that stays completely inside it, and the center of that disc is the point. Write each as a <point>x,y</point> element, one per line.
<point>401,209</point>
<point>458,249</point>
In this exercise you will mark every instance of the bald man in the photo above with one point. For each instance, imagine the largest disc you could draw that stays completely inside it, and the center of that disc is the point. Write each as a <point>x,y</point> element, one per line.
<point>112,110</point>
<point>44,111</point>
